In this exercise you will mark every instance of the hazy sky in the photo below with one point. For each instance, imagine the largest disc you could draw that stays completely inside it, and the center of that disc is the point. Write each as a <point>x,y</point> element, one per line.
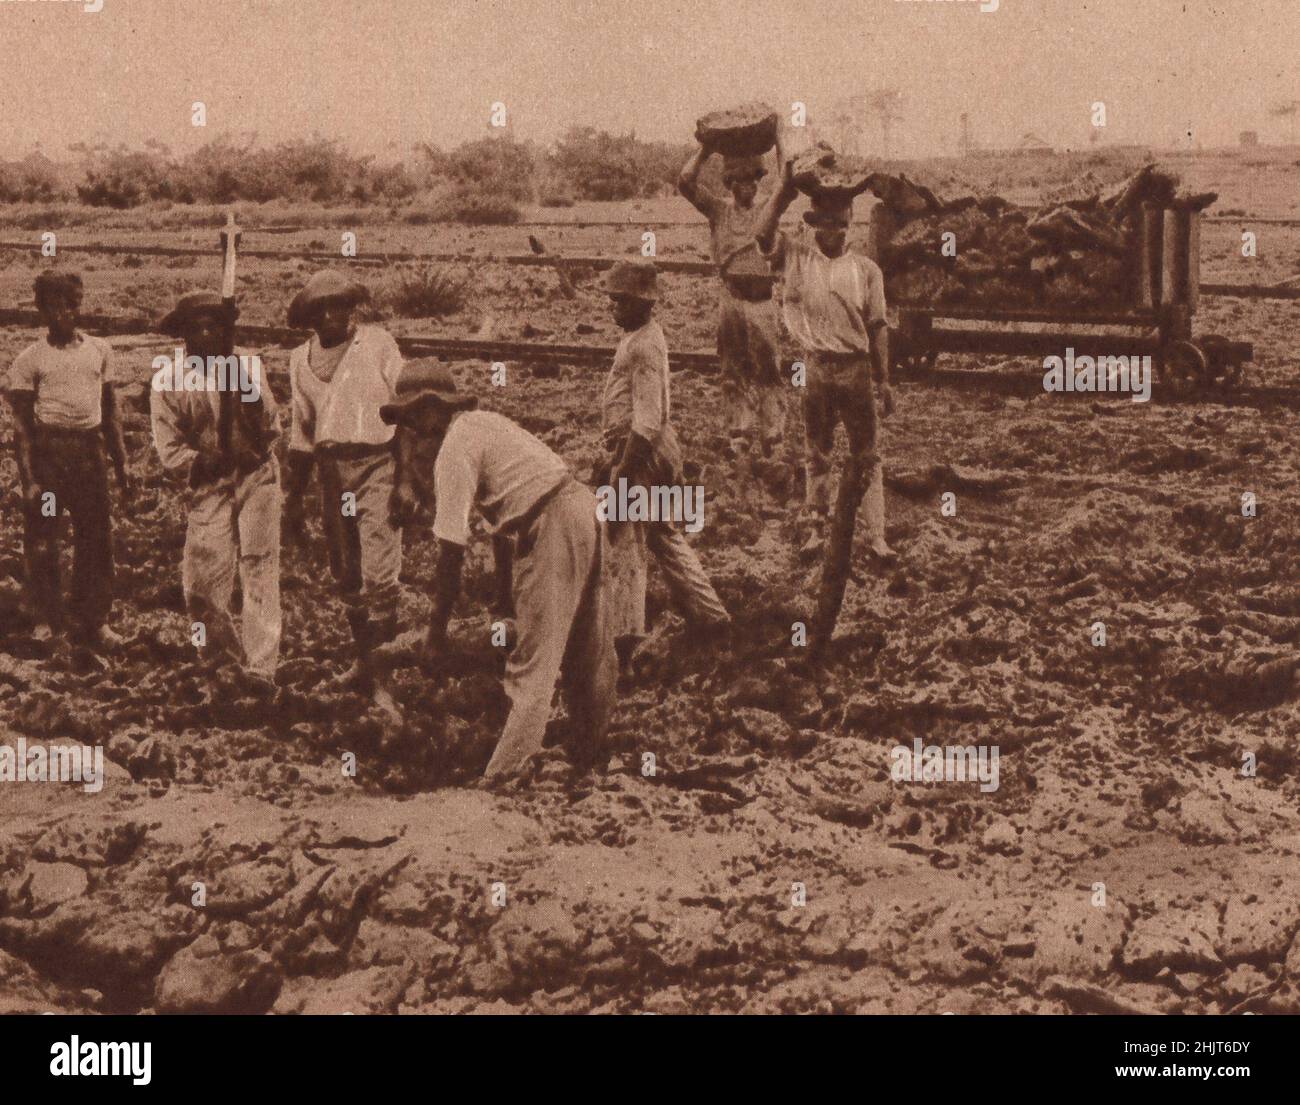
<point>384,74</point>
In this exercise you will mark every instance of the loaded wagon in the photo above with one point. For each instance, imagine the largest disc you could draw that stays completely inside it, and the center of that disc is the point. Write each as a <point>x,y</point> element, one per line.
<point>1155,319</point>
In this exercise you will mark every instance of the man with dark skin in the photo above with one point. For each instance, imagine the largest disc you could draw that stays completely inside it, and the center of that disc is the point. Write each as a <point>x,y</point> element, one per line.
<point>233,499</point>
<point>834,308</point>
<point>340,378</point>
<point>66,432</point>
<point>642,448</point>
<point>485,463</point>
<point>748,339</point>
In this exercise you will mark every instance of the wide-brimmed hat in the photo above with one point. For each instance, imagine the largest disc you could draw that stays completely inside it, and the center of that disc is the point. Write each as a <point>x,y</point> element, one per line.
<point>189,307</point>
<point>425,381</point>
<point>742,168</point>
<point>323,288</point>
<point>639,279</point>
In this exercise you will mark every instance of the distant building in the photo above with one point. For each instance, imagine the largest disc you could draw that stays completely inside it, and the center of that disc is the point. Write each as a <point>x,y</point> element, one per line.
<point>1033,146</point>
<point>1028,146</point>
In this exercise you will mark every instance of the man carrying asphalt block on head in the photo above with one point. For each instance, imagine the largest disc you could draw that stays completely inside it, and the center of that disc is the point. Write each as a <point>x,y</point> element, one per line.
<point>834,309</point>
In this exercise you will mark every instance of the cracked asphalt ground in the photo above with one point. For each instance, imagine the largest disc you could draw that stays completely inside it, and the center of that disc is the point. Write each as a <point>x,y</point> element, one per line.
<point>1125,862</point>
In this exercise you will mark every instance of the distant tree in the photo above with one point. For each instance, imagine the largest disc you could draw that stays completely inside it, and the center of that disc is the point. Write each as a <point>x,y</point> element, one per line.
<point>1288,109</point>
<point>498,165</point>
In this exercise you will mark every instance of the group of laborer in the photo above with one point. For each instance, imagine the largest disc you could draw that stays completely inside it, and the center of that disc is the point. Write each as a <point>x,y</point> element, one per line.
<point>385,435</point>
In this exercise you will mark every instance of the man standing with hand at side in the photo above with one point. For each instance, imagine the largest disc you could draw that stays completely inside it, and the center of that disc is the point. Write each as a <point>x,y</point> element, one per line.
<point>834,309</point>
<point>340,379</point>
<point>66,432</point>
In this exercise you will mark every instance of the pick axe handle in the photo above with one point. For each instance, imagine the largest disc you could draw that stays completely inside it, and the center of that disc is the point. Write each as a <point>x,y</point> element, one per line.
<point>226,407</point>
<point>228,266</point>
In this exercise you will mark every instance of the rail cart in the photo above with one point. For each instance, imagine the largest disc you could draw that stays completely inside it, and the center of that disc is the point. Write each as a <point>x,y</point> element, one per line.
<point>1157,320</point>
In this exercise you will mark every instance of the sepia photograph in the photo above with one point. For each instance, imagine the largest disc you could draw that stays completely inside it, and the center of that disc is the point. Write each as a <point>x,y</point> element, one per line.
<point>575,507</point>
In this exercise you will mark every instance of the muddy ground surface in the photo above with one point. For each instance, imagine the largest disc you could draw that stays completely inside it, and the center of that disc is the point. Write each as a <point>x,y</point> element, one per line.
<point>406,888</point>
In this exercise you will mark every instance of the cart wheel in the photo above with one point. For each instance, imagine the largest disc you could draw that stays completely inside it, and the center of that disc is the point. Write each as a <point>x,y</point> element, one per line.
<point>1225,370</point>
<point>1185,367</point>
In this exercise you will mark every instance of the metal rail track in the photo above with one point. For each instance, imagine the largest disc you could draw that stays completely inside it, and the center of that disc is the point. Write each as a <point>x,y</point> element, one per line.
<point>987,381</point>
<point>415,345</point>
<point>1284,290</point>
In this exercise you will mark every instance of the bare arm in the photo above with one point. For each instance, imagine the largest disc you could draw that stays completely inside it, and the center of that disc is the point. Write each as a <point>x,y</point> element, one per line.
<point>634,460</point>
<point>23,404</point>
<point>879,333</point>
<point>111,428</point>
<point>446,590</point>
<point>690,173</point>
<point>296,478</point>
<point>781,198</point>
<point>701,199</point>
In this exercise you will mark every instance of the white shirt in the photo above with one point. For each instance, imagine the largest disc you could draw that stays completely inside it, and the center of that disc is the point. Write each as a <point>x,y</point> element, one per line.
<point>490,461</point>
<point>67,381</point>
<point>343,407</point>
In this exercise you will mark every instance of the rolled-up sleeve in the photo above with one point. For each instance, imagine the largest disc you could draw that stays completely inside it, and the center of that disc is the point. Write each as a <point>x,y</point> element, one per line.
<point>455,483</point>
<point>874,308</point>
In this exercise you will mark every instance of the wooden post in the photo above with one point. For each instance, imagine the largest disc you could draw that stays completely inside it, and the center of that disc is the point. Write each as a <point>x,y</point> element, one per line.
<point>1193,260</point>
<point>1150,257</point>
<point>880,231</point>
<point>1176,261</point>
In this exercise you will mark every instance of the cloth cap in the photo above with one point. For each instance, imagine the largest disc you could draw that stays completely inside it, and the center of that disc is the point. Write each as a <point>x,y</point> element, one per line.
<point>323,288</point>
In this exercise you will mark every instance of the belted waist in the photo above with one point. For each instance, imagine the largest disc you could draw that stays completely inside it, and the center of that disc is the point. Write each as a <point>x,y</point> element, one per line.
<point>517,526</point>
<point>752,289</point>
<point>840,358</point>
<point>353,451</point>
<point>68,433</point>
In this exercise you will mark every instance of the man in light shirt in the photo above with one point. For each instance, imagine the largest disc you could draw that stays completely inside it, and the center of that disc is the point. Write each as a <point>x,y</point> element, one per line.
<point>485,463</point>
<point>642,448</point>
<point>834,309</point>
<point>66,431</point>
<point>340,378</point>
<point>233,496</point>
